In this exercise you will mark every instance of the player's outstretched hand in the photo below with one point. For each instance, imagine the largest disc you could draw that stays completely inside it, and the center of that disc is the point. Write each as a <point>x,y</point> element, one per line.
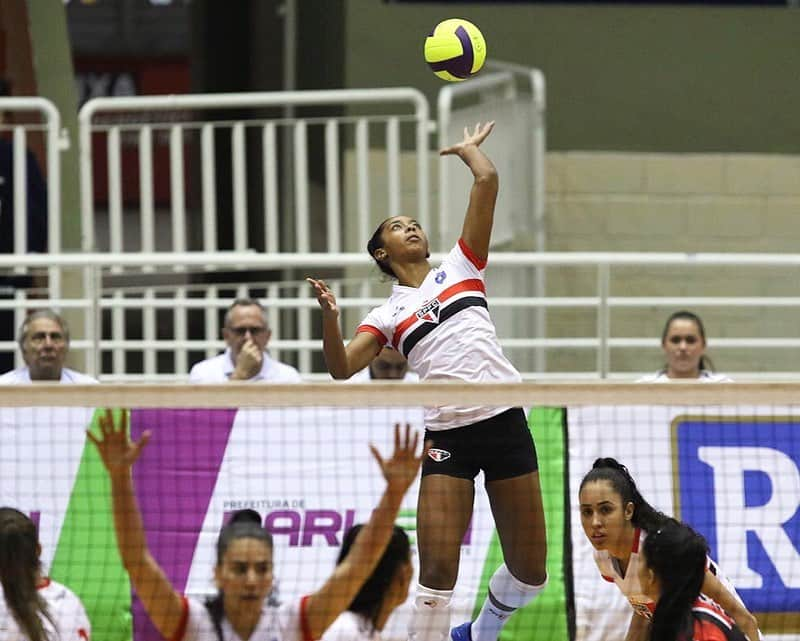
<point>401,469</point>
<point>116,450</point>
<point>473,139</point>
<point>325,297</point>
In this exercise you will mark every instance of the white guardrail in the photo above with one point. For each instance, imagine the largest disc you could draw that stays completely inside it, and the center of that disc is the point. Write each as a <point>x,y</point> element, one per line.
<point>292,297</point>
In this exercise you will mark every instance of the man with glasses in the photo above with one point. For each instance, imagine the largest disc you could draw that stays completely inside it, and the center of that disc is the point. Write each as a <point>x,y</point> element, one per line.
<point>43,339</point>
<point>246,334</point>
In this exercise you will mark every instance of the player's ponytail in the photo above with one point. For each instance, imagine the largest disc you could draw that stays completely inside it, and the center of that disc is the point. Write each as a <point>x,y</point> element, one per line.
<point>676,554</point>
<point>244,524</point>
<point>19,573</point>
<point>645,515</point>
<point>370,599</point>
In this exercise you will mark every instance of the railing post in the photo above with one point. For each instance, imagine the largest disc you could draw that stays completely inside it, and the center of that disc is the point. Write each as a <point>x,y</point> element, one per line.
<point>603,320</point>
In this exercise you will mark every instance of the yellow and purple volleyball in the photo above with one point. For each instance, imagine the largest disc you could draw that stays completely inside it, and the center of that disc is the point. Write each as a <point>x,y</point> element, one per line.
<point>455,50</point>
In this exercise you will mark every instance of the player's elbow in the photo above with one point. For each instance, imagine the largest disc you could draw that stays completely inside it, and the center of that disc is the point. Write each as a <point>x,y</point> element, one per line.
<point>488,176</point>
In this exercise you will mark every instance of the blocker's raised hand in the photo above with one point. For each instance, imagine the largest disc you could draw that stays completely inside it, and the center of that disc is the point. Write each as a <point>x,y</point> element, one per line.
<point>116,449</point>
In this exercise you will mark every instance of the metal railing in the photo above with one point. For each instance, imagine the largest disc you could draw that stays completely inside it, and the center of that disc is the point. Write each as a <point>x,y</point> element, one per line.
<point>50,127</point>
<point>100,300</point>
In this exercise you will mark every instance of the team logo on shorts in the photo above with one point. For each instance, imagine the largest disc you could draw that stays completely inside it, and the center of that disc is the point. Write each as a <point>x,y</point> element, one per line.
<point>439,455</point>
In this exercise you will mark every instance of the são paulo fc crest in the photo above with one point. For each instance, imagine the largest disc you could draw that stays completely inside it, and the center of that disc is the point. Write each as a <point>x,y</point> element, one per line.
<point>429,311</point>
<point>438,455</point>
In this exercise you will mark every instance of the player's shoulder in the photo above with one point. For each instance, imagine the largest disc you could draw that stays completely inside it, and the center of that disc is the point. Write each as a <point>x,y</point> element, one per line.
<point>58,593</point>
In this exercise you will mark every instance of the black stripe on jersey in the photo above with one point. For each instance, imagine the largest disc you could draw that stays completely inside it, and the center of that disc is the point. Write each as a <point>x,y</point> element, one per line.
<point>451,310</point>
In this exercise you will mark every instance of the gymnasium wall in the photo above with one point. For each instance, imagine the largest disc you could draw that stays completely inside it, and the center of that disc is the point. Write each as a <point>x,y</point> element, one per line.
<point>644,78</point>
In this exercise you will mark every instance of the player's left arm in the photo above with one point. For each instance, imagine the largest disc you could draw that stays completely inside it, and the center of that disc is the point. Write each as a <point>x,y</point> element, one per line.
<point>479,218</point>
<point>714,589</point>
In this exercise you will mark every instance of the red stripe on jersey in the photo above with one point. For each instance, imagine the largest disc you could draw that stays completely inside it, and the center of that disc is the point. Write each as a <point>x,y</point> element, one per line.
<point>636,536</point>
<point>607,578</point>
<point>705,630</point>
<point>480,263</point>
<point>469,285</point>
<point>369,329</point>
<point>304,619</point>
<point>181,631</point>
<point>43,583</point>
<point>83,634</point>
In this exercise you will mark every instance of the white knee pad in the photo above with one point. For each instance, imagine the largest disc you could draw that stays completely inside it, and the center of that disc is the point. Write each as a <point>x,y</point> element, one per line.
<point>430,620</point>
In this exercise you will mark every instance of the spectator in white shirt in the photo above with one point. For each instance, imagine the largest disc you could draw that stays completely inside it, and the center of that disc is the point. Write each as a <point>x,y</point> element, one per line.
<point>246,333</point>
<point>684,343</point>
<point>389,365</point>
<point>44,342</point>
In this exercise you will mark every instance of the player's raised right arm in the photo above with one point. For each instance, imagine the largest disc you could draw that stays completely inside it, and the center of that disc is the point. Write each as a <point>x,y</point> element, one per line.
<point>342,361</point>
<point>162,603</point>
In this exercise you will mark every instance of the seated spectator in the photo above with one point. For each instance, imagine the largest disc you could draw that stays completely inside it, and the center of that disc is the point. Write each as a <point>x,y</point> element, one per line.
<point>684,343</point>
<point>44,342</point>
<point>247,334</point>
<point>389,364</point>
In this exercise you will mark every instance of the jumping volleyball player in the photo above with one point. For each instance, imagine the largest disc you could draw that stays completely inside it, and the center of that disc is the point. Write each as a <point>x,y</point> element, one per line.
<point>618,521</point>
<point>33,607</point>
<point>438,318</point>
<point>243,574</point>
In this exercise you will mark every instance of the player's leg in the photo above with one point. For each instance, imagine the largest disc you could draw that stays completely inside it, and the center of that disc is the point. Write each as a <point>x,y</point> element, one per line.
<point>443,514</point>
<point>514,493</point>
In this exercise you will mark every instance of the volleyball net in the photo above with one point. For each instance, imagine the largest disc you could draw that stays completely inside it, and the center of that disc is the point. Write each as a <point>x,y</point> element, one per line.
<point>724,458</point>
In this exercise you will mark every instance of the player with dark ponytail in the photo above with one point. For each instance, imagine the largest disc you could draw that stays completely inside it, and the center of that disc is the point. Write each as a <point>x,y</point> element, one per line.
<point>617,521</point>
<point>33,605</point>
<point>672,573</point>
<point>382,592</point>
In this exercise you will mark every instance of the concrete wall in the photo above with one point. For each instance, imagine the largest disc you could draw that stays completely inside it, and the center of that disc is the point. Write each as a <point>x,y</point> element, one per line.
<point>642,78</point>
<point>685,203</point>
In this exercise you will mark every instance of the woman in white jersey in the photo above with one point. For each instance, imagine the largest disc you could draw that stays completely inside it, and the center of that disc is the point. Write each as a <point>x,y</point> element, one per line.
<point>243,574</point>
<point>684,343</point>
<point>438,318</point>
<point>33,607</point>
<point>672,571</point>
<point>617,521</point>
<point>383,591</point>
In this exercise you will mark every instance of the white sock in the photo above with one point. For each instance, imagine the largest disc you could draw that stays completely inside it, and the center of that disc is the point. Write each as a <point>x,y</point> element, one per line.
<point>430,619</point>
<point>506,594</point>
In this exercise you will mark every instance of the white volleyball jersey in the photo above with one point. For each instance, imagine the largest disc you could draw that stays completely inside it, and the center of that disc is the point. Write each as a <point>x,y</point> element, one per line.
<point>629,584</point>
<point>284,623</point>
<point>68,617</point>
<point>350,626</point>
<point>444,330</point>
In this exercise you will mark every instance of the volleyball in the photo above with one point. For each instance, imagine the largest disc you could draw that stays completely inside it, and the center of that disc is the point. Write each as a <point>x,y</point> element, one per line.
<point>455,50</point>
